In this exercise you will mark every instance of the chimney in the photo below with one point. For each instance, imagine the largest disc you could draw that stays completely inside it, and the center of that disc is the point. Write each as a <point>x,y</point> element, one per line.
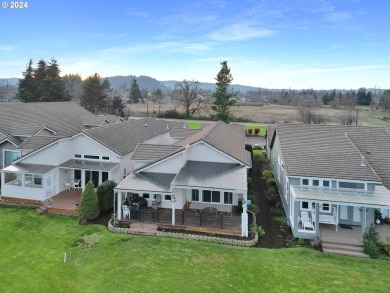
<point>363,162</point>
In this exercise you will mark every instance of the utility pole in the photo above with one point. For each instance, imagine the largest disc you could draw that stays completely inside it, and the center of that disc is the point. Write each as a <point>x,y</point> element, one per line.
<point>147,109</point>
<point>357,116</point>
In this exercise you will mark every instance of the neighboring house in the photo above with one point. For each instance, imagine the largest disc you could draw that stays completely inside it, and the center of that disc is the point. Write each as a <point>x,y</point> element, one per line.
<point>330,175</point>
<point>45,159</point>
<point>205,169</point>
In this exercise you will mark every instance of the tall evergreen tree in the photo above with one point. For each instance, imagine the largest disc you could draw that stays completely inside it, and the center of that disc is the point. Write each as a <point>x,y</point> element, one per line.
<point>43,84</point>
<point>224,97</point>
<point>55,85</point>
<point>117,107</point>
<point>95,94</point>
<point>135,94</point>
<point>73,85</point>
<point>89,206</point>
<point>27,85</point>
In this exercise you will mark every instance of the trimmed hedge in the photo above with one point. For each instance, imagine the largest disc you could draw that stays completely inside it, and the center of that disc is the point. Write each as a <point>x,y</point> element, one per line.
<point>89,205</point>
<point>105,195</point>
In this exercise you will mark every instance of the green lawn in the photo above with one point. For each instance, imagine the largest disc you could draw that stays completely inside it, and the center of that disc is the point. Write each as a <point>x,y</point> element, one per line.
<point>32,251</point>
<point>193,125</point>
<point>262,128</point>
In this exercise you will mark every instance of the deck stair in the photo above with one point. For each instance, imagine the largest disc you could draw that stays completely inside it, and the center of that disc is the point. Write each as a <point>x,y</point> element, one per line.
<point>343,248</point>
<point>41,210</point>
<point>142,228</point>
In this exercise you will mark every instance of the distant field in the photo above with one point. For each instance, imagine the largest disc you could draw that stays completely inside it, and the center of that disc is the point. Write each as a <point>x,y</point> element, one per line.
<point>275,113</point>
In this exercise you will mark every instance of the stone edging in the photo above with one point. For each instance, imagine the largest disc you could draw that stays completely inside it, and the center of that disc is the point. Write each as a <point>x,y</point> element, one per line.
<point>222,240</point>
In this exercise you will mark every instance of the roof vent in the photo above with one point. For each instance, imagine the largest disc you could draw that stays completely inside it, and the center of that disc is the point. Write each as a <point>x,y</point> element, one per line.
<point>363,162</point>
<point>146,125</point>
<point>368,152</point>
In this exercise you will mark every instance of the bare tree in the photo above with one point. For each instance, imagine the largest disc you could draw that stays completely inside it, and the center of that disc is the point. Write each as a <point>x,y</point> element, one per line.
<point>190,97</point>
<point>309,116</point>
<point>347,117</point>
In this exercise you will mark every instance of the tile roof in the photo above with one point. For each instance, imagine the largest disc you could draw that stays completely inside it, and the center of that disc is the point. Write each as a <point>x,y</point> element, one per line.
<point>37,141</point>
<point>331,151</point>
<point>226,138</point>
<point>212,175</point>
<point>62,117</point>
<point>153,152</point>
<point>183,132</point>
<point>124,137</point>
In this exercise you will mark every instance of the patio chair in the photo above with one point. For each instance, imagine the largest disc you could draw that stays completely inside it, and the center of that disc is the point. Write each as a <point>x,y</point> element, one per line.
<point>76,184</point>
<point>67,185</point>
<point>305,217</point>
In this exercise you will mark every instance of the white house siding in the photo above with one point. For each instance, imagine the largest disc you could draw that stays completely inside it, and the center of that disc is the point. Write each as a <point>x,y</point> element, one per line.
<point>181,197</point>
<point>171,165</point>
<point>125,163</point>
<point>63,150</point>
<point>164,139</point>
<point>204,152</point>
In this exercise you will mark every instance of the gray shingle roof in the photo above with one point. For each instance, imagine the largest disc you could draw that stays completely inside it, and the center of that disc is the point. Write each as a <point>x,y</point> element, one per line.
<point>89,165</point>
<point>326,151</point>
<point>212,175</point>
<point>31,168</point>
<point>25,129</point>
<point>62,117</point>
<point>226,138</point>
<point>153,152</point>
<point>183,132</point>
<point>37,141</point>
<point>123,138</point>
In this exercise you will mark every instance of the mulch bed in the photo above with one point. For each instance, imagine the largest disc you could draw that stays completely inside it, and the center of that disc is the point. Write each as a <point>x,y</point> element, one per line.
<point>274,237</point>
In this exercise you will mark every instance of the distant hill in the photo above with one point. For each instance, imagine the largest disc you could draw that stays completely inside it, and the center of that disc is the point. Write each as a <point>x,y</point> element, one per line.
<point>11,81</point>
<point>144,82</point>
<point>211,86</point>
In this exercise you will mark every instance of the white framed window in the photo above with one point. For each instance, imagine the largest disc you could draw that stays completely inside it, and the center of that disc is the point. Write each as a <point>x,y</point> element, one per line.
<point>228,197</point>
<point>9,156</point>
<point>316,182</point>
<point>33,180</point>
<point>325,183</point>
<point>305,205</point>
<point>325,208</point>
<point>167,197</point>
<point>194,195</point>
<point>352,185</point>
<point>78,156</point>
<point>91,157</point>
<point>305,181</point>
<point>146,195</point>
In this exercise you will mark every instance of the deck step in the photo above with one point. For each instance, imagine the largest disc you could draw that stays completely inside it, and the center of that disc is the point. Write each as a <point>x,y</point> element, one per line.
<point>345,252</point>
<point>342,246</point>
<point>41,210</point>
<point>143,229</point>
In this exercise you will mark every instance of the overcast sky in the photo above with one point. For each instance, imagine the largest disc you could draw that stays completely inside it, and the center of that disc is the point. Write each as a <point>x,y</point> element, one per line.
<point>273,44</point>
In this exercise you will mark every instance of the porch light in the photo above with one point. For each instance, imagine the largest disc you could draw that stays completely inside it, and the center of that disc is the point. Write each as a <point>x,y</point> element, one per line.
<point>173,198</point>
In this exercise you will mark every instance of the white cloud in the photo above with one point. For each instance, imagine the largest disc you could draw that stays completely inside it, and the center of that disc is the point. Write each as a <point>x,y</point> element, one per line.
<point>8,48</point>
<point>240,31</point>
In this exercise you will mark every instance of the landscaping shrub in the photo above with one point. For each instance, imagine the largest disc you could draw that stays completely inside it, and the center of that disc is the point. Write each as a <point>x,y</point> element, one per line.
<point>249,148</point>
<point>250,130</point>
<point>386,220</point>
<point>254,208</point>
<point>254,228</point>
<point>267,174</point>
<point>272,194</point>
<point>371,242</point>
<point>257,130</point>
<point>105,195</point>
<point>249,182</point>
<point>387,246</point>
<point>89,206</point>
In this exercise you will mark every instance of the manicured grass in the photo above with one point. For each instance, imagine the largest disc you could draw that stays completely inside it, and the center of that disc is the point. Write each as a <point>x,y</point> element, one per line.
<point>257,152</point>
<point>194,125</point>
<point>262,128</point>
<point>32,252</point>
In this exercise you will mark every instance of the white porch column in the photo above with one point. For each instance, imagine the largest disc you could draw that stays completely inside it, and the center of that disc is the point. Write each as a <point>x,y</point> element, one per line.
<point>82,185</point>
<point>173,200</point>
<point>363,227</point>
<point>244,216</point>
<point>337,217</point>
<point>119,205</point>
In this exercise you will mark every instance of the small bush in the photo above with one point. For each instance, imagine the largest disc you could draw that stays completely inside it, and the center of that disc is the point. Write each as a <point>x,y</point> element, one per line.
<point>260,231</point>
<point>387,246</point>
<point>267,174</point>
<point>254,208</point>
<point>249,148</point>
<point>250,131</point>
<point>372,249</point>
<point>271,194</point>
<point>89,206</point>
<point>249,182</point>
<point>257,130</point>
<point>254,228</point>
<point>371,243</point>
<point>386,220</point>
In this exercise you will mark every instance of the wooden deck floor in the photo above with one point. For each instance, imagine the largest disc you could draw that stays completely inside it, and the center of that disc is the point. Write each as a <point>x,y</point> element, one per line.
<point>328,233</point>
<point>65,200</point>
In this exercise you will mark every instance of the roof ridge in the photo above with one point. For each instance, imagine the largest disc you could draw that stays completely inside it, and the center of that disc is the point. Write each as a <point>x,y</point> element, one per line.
<point>366,161</point>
